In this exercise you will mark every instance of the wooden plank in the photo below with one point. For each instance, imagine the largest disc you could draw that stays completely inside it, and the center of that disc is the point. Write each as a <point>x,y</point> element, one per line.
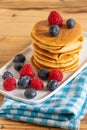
<point>22,23</point>
<point>14,46</point>
<point>14,43</point>
<point>25,128</point>
<point>29,126</point>
<point>6,124</point>
<point>1,99</point>
<point>56,129</point>
<point>11,122</point>
<point>41,4</point>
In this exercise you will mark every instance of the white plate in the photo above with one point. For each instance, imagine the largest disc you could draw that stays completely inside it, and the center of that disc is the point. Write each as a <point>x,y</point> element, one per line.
<point>44,94</point>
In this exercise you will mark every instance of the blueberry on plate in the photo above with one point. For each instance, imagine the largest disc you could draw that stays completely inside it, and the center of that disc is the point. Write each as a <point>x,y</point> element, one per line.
<point>54,30</point>
<point>23,82</point>
<point>52,85</point>
<point>7,74</point>
<point>70,23</point>
<point>30,93</point>
<point>18,66</point>
<point>19,58</point>
<point>43,74</point>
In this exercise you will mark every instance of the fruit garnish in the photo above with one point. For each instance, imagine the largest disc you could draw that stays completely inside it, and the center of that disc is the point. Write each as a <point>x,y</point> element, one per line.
<point>56,75</point>
<point>19,58</point>
<point>24,81</point>
<point>36,83</point>
<point>55,18</point>
<point>43,74</point>
<point>7,74</point>
<point>9,84</point>
<point>70,23</point>
<point>54,30</point>
<point>52,85</point>
<point>27,70</point>
<point>30,93</point>
<point>18,66</point>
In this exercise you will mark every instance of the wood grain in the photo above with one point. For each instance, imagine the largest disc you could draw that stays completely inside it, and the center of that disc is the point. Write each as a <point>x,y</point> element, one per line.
<point>16,21</point>
<point>42,4</point>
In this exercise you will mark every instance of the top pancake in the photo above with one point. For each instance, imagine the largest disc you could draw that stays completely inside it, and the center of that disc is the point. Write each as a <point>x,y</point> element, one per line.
<point>66,36</point>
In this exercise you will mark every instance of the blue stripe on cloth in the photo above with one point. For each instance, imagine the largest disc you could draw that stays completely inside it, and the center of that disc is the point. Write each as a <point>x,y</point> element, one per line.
<point>64,109</point>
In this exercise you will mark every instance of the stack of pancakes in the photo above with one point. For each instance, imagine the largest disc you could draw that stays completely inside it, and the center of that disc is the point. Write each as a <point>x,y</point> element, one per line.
<point>60,52</point>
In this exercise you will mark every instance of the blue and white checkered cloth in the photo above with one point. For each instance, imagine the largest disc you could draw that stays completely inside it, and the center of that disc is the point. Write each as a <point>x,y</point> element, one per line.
<point>65,109</point>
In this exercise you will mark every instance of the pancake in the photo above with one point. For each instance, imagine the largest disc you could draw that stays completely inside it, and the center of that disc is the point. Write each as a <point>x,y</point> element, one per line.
<point>54,65</point>
<point>42,45</point>
<point>66,36</point>
<point>63,69</point>
<point>59,52</point>
<point>63,58</point>
<point>62,48</point>
<point>44,52</point>
<point>51,55</point>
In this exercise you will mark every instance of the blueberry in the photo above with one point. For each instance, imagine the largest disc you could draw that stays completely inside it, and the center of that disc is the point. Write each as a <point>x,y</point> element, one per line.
<point>7,74</point>
<point>54,30</point>
<point>43,74</point>
<point>18,66</point>
<point>24,81</point>
<point>52,85</point>
<point>70,23</point>
<point>30,93</point>
<point>19,58</point>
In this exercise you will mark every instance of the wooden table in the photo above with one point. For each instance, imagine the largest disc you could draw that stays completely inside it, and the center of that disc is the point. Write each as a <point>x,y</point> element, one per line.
<point>16,21</point>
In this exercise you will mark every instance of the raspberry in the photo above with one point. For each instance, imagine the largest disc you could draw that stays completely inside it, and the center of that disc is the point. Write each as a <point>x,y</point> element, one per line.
<point>56,75</point>
<point>27,70</point>
<point>55,18</point>
<point>9,84</point>
<point>36,83</point>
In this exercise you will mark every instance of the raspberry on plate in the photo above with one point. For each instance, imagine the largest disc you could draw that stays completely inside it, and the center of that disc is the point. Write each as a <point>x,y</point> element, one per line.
<point>55,18</point>
<point>9,84</point>
<point>56,75</point>
<point>36,83</point>
<point>27,70</point>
